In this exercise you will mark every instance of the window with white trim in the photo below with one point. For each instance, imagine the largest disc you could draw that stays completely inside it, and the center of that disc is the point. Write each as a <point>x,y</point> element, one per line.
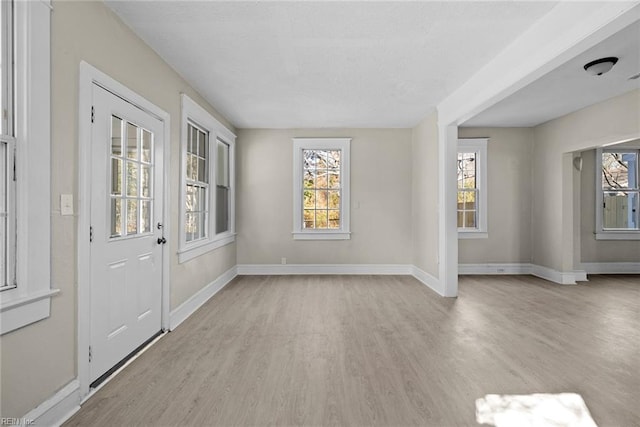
<point>472,192</point>
<point>197,186</point>
<point>25,223</point>
<point>223,186</point>
<point>617,194</point>
<point>7,152</point>
<point>207,215</point>
<point>321,188</point>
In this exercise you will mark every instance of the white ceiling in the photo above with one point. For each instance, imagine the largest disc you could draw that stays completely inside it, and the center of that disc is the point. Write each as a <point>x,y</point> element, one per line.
<point>327,64</point>
<point>569,88</point>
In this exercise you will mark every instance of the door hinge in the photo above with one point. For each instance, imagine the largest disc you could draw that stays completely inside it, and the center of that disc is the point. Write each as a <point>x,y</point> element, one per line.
<point>93,114</point>
<point>90,355</point>
<point>90,234</point>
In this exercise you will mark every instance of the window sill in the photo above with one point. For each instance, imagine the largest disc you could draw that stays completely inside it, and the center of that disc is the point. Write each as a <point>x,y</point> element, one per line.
<point>473,235</point>
<point>25,311</point>
<point>201,248</point>
<point>618,235</point>
<point>321,235</point>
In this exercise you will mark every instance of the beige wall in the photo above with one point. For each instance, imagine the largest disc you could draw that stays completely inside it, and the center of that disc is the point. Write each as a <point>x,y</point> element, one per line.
<point>424,192</point>
<point>509,198</point>
<point>613,120</point>
<point>593,250</point>
<point>380,199</point>
<point>39,359</point>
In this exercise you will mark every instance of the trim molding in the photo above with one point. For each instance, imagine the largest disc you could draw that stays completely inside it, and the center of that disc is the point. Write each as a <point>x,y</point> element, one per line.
<point>88,76</point>
<point>196,301</point>
<point>611,267</point>
<point>287,269</point>
<point>514,268</point>
<point>561,277</point>
<point>372,269</point>
<point>428,280</point>
<point>57,409</point>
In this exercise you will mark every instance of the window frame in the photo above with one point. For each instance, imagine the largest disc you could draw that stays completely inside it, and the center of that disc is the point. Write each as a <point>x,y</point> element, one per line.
<point>601,232</point>
<point>344,145</point>
<point>479,147</point>
<point>197,183</point>
<point>30,300</point>
<point>195,114</point>
<point>7,137</point>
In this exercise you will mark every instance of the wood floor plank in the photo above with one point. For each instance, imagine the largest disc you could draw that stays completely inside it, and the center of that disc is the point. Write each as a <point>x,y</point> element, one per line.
<point>382,351</point>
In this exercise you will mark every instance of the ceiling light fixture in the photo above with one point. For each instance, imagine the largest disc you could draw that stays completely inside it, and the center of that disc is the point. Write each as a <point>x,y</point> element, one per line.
<point>600,66</point>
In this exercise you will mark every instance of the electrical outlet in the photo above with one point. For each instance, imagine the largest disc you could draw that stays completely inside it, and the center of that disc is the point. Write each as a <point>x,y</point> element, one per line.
<point>283,261</point>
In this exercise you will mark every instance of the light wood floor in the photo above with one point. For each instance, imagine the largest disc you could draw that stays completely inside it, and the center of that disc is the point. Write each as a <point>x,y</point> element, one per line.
<point>382,350</point>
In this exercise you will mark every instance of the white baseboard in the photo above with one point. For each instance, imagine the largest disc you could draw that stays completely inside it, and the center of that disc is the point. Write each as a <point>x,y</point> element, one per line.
<point>287,269</point>
<point>515,268</point>
<point>561,277</point>
<point>188,307</point>
<point>55,410</point>
<point>611,267</point>
<point>427,279</point>
<point>373,269</point>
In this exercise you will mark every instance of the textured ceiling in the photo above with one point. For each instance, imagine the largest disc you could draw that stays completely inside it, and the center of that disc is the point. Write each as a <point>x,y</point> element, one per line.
<point>327,64</point>
<point>569,88</point>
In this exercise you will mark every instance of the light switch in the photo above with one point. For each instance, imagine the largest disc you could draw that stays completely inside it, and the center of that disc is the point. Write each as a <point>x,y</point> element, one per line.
<point>66,204</point>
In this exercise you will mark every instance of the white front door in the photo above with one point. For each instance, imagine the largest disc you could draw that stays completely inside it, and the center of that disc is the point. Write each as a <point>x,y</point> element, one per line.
<point>126,226</point>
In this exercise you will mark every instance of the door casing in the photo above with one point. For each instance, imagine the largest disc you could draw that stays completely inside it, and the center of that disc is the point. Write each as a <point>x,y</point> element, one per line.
<point>89,76</point>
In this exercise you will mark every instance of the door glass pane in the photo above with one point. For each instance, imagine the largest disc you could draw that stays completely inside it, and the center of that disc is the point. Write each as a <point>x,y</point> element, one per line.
<point>116,136</point>
<point>132,216</point>
<point>116,176</point>
<point>145,181</point>
<point>146,146</point>
<point>132,179</point>
<point>116,217</point>
<point>145,224</point>
<point>132,141</point>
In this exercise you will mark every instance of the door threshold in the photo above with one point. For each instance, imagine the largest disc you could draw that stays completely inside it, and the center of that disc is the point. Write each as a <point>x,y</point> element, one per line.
<point>120,366</point>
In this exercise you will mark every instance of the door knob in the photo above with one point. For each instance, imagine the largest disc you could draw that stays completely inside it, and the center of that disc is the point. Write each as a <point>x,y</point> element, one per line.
<point>162,240</point>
